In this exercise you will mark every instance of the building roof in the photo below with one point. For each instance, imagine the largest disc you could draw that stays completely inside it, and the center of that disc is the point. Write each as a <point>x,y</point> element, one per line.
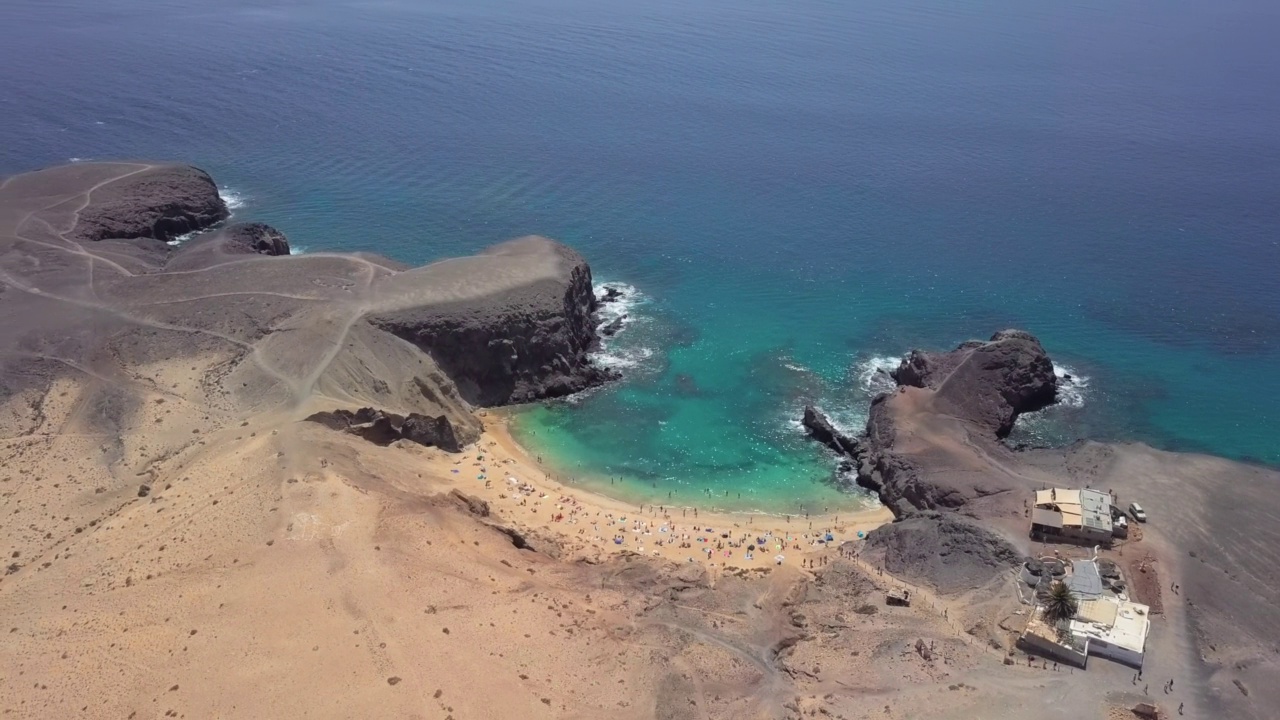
<point>1084,580</point>
<point>1049,518</point>
<point>1089,509</point>
<point>1057,496</point>
<point>1102,612</point>
<point>1128,629</point>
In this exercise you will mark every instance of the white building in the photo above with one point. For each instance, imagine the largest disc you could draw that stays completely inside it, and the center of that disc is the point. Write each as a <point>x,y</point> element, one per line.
<point>1114,628</point>
<point>1070,514</point>
<point>1103,627</point>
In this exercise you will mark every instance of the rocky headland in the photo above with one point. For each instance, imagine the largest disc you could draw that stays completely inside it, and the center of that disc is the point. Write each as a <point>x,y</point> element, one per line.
<point>933,452</point>
<point>326,332</point>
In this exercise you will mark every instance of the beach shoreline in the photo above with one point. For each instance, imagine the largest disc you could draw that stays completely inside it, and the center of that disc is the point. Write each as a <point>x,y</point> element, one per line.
<point>587,522</point>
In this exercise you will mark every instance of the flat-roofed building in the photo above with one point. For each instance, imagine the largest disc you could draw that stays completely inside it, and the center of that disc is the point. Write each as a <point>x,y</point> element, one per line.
<point>1115,629</point>
<point>1102,627</point>
<point>1071,514</point>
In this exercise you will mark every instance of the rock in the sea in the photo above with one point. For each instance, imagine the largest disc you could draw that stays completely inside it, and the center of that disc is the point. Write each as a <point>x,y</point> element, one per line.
<point>612,327</point>
<point>517,345</point>
<point>384,428</point>
<point>989,383</point>
<point>159,202</point>
<point>946,550</point>
<point>821,429</point>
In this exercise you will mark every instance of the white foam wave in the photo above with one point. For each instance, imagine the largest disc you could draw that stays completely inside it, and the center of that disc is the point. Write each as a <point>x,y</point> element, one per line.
<point>627,297</point>
<point>297,249</point>
<point>623,358</point>
<point>234,199</point>
<point>75,159</point>
<point>1072,386</point>
<point>873,373</point>
<point>179,239</point>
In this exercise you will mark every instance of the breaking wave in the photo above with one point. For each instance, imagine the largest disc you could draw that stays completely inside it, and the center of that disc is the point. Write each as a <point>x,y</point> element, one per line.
<point>623,358</point>
<point>617,352</point>
<point>626,298</point>
<point>1072,386</point>
<point>873,373</point>
<point>234,199</point>
<point>179,239</point>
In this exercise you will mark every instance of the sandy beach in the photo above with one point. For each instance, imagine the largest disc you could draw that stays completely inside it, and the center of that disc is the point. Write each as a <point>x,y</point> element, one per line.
<point>505,474</point>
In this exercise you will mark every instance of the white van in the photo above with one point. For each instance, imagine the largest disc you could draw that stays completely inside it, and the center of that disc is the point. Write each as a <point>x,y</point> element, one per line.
<point>1137,512</point>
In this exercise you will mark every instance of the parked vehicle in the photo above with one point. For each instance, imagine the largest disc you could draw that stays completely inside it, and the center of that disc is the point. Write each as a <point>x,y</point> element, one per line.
<point>1120,528</point>
<point>1137,512</point>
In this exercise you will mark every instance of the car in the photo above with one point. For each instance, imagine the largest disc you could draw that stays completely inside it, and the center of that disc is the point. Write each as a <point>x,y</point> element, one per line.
<point>1137,512</point>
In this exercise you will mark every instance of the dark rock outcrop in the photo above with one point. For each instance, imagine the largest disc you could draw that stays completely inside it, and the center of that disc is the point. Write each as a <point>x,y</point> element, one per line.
<point>160,202</point>
<point>244,238</point>
<point>612,327</point>
<point>947,551</point>
<point>821,429</point>
<point>227,244</point>
<point>989,383</point>
<point>523,345</point>
<point>383,428</point>
<point>952,408</point>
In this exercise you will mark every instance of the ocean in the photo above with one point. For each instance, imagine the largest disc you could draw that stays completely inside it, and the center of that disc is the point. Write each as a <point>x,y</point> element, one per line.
<point>790,194</point>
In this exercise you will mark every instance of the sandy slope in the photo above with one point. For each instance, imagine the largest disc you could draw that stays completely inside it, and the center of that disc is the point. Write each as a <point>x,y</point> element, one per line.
<point>280,569</point>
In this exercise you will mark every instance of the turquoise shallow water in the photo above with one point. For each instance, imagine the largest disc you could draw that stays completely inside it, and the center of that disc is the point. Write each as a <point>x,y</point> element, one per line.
<point>795,190</point>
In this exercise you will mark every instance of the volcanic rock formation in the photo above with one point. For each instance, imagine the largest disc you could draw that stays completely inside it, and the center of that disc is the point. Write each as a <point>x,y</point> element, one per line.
<point>384,428</point>
<point>950,551</point>
<point>89,287</point>
<point>529,341</point>
<point>932,445</point>
<point>988,383</point>
<point>151,201</point>
<point>820,428</point>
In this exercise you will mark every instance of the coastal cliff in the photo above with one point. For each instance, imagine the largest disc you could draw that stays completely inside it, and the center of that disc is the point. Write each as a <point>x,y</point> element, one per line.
<point>159,202</point>
<point>326,336</point>
<point>527,343</point>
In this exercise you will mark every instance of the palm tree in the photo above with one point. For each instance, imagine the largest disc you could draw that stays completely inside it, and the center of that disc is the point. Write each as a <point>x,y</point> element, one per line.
<point>1061,604</point>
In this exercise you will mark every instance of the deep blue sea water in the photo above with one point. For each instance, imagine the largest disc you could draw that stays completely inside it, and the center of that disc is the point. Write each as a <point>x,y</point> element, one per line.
<point>794,190</point>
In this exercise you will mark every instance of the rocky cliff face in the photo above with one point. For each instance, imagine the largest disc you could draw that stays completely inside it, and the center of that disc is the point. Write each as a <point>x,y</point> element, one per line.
<point>989,383</point>
<point>159,202</point>
<point>984,384</point>
<point>413,349</point>
<point>927,443</point>
<point>257,238</point>
<point>521,345</point>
